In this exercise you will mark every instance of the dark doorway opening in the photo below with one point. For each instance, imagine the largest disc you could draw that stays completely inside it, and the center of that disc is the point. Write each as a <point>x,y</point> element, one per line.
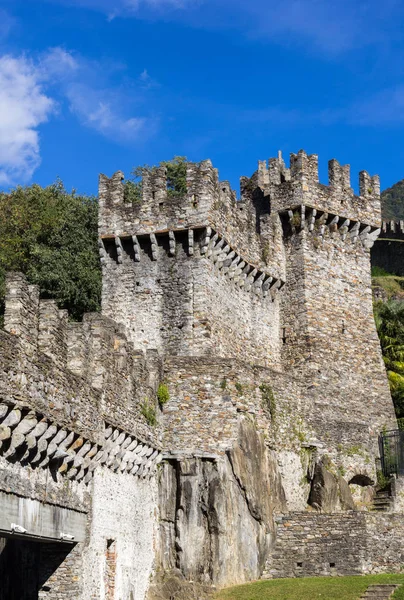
<point>26,567</point>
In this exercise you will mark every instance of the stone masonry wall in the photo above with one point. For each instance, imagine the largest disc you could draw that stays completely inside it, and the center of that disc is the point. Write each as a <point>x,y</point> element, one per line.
<point>331,336</point>
<point>124,516</point>
<point>189,304</point>
<point>257,316</point>
<point>388,251</point>
<point>72,436</point>
<point>353,543</point>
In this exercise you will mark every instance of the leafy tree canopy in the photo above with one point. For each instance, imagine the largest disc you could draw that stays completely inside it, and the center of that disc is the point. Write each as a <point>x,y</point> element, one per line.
<point>51,236</point>
<point>176,179</point>
<point>389,318</point>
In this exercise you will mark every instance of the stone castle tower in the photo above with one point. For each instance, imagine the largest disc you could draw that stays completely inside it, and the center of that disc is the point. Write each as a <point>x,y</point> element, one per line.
<point>280,279</point>
<point>255,319</point>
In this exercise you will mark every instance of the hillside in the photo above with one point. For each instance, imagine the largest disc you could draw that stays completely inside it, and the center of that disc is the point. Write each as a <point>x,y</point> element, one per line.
<point>393,202</point>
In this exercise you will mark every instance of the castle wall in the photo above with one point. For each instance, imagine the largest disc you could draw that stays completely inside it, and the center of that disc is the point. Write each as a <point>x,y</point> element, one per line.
<point>77,457</point>
<point>189,304</point>
<point>332,335</point>
<point>119,553</point>
<point>352,543</point>
<point>388,251</point>
<point>257,316</point>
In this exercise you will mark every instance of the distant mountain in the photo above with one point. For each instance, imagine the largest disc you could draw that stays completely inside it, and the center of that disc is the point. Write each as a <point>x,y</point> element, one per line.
<point>393,202</point>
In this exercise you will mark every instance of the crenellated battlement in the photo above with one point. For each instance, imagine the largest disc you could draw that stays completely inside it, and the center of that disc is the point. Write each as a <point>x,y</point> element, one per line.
<point>286,188</point>
<point>158,208</point>
<point>208,202</point>
<point>394,229</point>
<point>166,250</point>
<point>95,350</point>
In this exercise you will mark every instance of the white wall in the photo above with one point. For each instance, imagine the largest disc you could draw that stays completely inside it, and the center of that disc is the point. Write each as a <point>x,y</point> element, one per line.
<point>123,509</point>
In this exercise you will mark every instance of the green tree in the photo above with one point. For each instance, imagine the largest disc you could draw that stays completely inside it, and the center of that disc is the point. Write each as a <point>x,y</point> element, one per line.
<point>51,236</point>
<point>389,318</point>
<point>176,179</point>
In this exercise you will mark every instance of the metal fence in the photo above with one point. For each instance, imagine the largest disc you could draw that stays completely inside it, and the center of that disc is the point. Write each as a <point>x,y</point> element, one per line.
<point>391,444</point>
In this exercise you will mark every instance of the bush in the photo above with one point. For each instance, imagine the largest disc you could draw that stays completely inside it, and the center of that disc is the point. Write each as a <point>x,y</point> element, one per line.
<point>51,236</point>
<point>163,394</point>
<point>149,412</point>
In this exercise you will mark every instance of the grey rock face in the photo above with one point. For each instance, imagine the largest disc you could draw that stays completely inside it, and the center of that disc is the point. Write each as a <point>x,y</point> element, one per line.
<point>220,512</point>
<point>329,493</point>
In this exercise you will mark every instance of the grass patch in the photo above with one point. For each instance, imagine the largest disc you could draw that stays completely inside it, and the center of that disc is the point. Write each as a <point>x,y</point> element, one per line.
<point>391,284</point>
<point>310,588</point>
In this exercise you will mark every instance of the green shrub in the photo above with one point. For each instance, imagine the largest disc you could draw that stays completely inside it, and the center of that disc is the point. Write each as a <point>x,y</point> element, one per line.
<point>163,394</point>
<point>149,412</point>
<point>50,235</point>
<point>379,272</point>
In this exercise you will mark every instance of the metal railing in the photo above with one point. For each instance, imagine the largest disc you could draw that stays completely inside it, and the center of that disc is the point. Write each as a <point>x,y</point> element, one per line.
<point>391,445</point>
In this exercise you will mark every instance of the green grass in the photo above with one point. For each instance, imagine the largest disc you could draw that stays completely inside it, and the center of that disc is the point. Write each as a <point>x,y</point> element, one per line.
<point>391,284</point>
<point>310,588</point>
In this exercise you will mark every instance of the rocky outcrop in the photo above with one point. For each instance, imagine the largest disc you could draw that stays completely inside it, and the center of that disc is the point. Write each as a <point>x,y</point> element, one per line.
<point>217,513</point>
<point>329,492</point>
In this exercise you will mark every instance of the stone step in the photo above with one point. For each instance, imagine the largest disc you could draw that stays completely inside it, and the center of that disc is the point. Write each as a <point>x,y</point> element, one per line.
<point>381,591</point>
<point>382,501</point>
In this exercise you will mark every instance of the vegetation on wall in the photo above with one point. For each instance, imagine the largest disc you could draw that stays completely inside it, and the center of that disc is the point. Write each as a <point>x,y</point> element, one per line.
<point>163,394</point>
<point>389,318</point>
<point>176,179</point>
<point>148,410</point>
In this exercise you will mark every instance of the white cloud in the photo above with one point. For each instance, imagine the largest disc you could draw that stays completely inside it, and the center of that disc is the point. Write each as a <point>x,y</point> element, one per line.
<point>59,63</point>
<point>28,90</point>
<point>23,107</point>
<point>98,109</point>
<point>317,25</point>
<point>115,8</point>
<point>94,101</point>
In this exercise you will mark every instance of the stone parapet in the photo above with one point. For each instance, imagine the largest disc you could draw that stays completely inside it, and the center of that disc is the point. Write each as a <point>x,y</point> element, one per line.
<point>302,187</point>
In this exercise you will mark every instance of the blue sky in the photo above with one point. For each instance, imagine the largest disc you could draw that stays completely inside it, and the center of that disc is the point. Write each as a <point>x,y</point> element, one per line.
<point>89,86</point>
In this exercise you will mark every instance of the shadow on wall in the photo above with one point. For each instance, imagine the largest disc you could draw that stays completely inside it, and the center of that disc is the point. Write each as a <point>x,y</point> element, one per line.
<point>26,567</point>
